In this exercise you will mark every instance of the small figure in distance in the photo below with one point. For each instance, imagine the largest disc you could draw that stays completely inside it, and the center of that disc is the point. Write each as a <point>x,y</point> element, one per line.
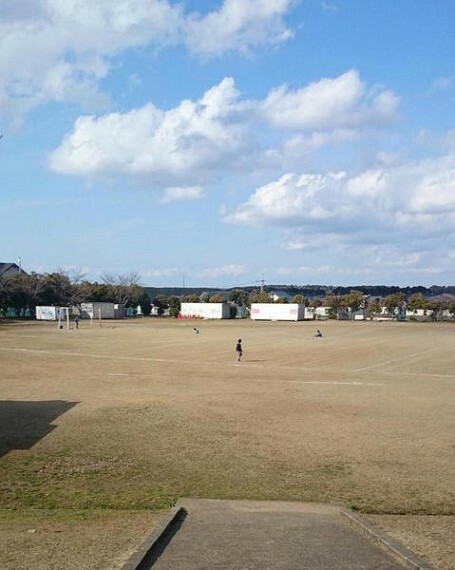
<point>76,321</point>
<point>318,333</point>
<point>238,350</point>
<point>195,330</point>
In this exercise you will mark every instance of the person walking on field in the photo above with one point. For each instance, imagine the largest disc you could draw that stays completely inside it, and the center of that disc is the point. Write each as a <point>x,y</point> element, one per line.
<point>238,350</point>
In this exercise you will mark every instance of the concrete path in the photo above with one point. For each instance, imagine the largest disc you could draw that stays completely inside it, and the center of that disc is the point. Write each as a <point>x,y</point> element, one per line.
<point>256,535</point>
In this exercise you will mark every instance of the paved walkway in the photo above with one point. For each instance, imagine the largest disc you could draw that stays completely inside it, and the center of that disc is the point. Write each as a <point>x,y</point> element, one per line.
<point>250,535</point>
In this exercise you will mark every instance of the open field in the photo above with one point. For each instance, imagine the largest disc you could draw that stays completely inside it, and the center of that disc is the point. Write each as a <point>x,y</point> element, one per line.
<point>132,415</point>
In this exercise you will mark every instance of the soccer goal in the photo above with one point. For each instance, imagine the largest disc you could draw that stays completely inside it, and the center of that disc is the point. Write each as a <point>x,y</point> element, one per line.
<point>63,318</point>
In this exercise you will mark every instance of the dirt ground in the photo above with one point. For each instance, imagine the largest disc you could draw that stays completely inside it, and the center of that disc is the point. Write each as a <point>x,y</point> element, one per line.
<point>130,416</point>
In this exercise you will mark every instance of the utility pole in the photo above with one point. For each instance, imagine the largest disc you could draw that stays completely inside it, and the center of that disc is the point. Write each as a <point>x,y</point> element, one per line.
<point>262,284</point>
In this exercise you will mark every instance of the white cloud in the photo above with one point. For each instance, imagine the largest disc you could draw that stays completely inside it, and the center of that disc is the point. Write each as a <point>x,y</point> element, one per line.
<point>182,144</point>
<point>54,50</point>
<point>413,202</point>
<point>441,84</point>
<point>157,273</point>
<point>178,194</point>
<point>291,199</point>
<point>199,139</point>
<point>329,104</point>
<point>59,51</point>
<point>238,25</point>
<point>227,270</point>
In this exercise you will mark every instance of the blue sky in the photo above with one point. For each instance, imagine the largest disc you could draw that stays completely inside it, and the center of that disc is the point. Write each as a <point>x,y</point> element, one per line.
<point>219,143</point>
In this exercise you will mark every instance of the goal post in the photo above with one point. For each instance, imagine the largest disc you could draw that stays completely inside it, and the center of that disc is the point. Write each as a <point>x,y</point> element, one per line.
<point>63,318</point>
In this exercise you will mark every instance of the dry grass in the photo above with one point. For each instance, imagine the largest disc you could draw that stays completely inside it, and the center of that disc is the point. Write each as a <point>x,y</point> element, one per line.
<point>136,415</point>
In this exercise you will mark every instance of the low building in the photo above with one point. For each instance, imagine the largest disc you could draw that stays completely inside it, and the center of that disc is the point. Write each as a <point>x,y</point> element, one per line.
<point>9,269</point>
<point>277,312</point>
<point>319,313</point>
<point>98,310</point>
<point>205,311</point>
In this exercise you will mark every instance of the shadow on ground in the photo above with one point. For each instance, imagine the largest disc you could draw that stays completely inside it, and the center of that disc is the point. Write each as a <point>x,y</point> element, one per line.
<point>22,424</point>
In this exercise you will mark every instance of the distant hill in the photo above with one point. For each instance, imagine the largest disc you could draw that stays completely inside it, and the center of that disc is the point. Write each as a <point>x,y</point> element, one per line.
<point>310,291</point>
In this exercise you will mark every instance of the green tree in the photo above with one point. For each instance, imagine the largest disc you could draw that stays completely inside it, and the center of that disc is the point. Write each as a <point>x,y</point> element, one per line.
<point>58,289</point>
<point>354,300</point>
<point>374,308</point>
<point>99,292</point>
<point>416,302</point>
<point>238,296</point>
<point>336,304</point>
<point>145,304</point>
<point>316,303</point>
<point>436,308</point>
<point>217,298</point>
<point>21,291</point>
<point>394,302</point>
<point>3,295</point>
<point>300,299</point>
<point>259,297</point>
<point>193,298</point>
<point>161,302</point>
<point>451,308</point>
<point>174,306</point>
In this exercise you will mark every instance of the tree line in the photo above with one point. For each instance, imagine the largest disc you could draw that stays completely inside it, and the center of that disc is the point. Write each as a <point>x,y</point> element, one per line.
<point>22,291</point>
<point>394,303</point>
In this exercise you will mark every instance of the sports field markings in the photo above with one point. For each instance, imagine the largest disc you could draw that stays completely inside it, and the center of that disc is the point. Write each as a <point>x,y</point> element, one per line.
<point>398,359</point>
<point>86,354</point>
<point>429,374</point>
<point>244,364</point>
<point>335,383</point>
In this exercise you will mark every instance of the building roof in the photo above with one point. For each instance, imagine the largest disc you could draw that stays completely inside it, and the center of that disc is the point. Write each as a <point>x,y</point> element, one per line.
<point>7,269</point>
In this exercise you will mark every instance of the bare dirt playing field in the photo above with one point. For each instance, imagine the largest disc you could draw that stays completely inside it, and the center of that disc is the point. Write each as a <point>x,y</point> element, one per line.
<point>135,414</point>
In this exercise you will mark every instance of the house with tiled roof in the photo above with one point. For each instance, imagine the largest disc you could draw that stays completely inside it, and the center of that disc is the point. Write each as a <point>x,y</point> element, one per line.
<point>9,269</point>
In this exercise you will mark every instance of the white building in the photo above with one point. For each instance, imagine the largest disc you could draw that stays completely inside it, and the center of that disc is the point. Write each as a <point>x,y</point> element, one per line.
<point>277,312</point>
<point>205,311</point>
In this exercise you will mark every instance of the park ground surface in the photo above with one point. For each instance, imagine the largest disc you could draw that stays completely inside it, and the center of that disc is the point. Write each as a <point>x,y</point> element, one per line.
<point>102,429</point>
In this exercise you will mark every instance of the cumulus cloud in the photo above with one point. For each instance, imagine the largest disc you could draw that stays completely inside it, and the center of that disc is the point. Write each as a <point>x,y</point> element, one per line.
<point>239,25</point>
<point>60,51</point>
<point>184,145</point>
<point>330,103</point>
<point>412,203</point>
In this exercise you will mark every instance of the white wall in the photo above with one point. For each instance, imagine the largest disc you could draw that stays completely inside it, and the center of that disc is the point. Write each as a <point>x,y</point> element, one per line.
<point>205,310</point>
<point>277,312</point>
<point>46,313</point>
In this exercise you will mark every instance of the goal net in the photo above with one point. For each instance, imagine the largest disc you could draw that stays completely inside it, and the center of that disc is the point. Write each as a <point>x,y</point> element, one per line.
<point>63,318</point>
